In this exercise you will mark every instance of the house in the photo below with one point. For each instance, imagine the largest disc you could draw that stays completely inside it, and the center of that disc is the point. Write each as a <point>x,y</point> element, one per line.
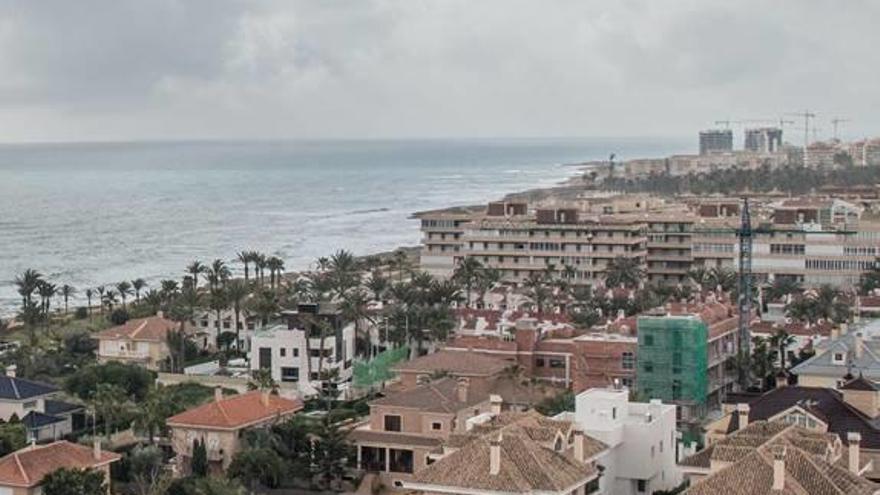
<point>640,437</point>
<point>206,327</point>
<point>406,429</point>
<point>142,341</point>
<point>515,453</point>
<point>776,457</point>
<point>220,423</point>
<point>22,471</point>
<point>854,408</point>
<point>479,369</point>
<point>313,340</point>
<point>856,352</point>
<point>44,417</point>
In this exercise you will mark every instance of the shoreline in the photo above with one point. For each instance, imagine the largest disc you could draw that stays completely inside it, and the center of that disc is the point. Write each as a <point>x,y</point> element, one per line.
<point>573,174</point>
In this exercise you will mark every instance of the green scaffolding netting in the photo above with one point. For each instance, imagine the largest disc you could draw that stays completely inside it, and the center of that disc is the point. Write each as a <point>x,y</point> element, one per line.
<point>672,359</point>
<point>378,369</point>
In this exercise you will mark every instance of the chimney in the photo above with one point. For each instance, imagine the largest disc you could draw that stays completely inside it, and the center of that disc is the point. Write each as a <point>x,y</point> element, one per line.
<point>781,379</point>
<point>218,393</point>
<point>461,389</point>
<point>835,333</point>
<point>742,410</point>
<point>495,402</point>
<point>10,370</point>
<point>495,455</point>
<point>579,454</point>
<point>858,345</point>
<point>844,328</point>
<point>264,398</point>
<point>96,448</point>
<point>779,467</point>
<point>854,440</point>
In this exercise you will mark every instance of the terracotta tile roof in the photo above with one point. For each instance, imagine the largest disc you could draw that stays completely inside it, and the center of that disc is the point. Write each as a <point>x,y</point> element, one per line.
<point>28,466</point>
<point>459,363</point>
<point>152,328</point>
<point>809,463</point>
<point>525,467</point>
<point>435,396</point>
<point>236,412</point>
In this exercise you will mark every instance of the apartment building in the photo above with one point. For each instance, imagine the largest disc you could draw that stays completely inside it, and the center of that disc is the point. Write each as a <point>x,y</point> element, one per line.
<point>641,439</point>
<point>683,354</point>
<point>313,341</point>
<point>206,327</point>
<point>442,232</point>
<point>575,360</point>
<point>814,240</point>
<point>669,240</point>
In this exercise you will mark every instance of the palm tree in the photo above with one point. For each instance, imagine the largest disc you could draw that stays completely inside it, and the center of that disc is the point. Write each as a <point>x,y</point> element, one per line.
<point>109,299</point>
<point>276,267</point>
<point>217,274</point>
<point>487,279</point>
<point>699,275</point>
<point>343,271</point>
<point>138,285</point>
<point>101,290</point>
<point>218,301</point>
<point>260,266</point>
<point>66,292</point>
<point>27,283</point>
<point>378,285</point>
<point>124,289</point>
<point>780,341</point>
<point>236,294</point>
<point>154,300</point>
<point>89,294</point>
<point>195,269</point>
<point>537,285</point>
<point>245,258</point>
<point>781,287</point>
<point>401,263</point>
<point>265,304</point>
<point>724,278</point>
<point>47,291</point>
<point>169,289</point>
<point>625,272</point>
<point>354,308</point>
<point>467,273</point>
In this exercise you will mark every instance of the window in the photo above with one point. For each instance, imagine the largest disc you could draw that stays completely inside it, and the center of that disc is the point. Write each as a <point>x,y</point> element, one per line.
<point>648,340</point>
<point>294,352</point>
<point>282,351</point>
<point>30,404</point>
<point>557,363</point>
<point>289,374</point>
<point>227,324</point>
<point>786,249</point>
<point>641,486</point>
<point>627,360</point>
<point>392,422</point>
<point>838,358</point>
<point>436,426</point>
<point>539,362</point>
<point>265,358</point>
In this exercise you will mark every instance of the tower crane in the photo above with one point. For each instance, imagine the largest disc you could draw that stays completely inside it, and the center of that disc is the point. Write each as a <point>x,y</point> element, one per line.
<point>835,122</point>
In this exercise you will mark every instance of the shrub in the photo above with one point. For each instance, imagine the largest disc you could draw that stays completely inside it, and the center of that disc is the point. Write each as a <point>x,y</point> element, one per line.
<point>81,313</point>
<point>119,316</point>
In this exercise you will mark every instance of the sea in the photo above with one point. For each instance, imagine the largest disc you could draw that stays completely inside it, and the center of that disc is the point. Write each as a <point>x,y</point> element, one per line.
<point>89,214</point>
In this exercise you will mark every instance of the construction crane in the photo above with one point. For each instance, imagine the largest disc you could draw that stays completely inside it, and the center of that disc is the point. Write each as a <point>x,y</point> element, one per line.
<point>835,122</point>
<point>745,284</point>
<point>807,115</point>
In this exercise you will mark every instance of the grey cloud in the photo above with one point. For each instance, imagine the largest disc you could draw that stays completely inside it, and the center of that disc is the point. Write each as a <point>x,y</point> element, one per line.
<point>399,68</point>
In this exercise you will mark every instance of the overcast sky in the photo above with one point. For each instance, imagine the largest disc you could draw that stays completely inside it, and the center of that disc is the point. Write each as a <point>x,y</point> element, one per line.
<point>154,69</point>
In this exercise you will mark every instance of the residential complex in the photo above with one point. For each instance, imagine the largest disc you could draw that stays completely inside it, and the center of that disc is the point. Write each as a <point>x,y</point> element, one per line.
<point>814,239</point>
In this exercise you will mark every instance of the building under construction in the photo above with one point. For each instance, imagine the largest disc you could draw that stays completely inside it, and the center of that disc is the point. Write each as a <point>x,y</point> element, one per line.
<point>716,141</point>
<point>763,140</point>
<point>683,356</point>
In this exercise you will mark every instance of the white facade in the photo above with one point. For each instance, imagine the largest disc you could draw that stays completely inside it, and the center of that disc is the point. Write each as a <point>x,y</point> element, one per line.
<point>285,352</point>
<point>208,327</point>
<point>641,439</point>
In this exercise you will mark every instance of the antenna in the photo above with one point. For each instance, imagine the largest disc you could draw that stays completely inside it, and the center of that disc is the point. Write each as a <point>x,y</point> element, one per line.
<point>835,122</point>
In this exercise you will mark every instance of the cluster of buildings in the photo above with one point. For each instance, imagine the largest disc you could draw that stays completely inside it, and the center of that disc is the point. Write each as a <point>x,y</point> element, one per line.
<point>815,240</point>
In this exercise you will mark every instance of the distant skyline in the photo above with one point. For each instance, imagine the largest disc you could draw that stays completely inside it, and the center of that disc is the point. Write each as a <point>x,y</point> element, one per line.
<point>108,70</point>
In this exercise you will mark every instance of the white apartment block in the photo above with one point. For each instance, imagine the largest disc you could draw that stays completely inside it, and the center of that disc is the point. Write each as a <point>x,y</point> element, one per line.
<point>207,327</point>
<point>641,439</point>
<point>295,353</point>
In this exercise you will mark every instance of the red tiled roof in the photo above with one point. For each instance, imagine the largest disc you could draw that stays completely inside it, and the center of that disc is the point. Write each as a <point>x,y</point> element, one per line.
<point>153,328</point>
<point>28,466</point>
<point>238,411</point>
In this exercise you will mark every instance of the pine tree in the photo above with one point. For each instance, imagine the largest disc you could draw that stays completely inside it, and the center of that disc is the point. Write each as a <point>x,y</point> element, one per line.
<point>199,459</point>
